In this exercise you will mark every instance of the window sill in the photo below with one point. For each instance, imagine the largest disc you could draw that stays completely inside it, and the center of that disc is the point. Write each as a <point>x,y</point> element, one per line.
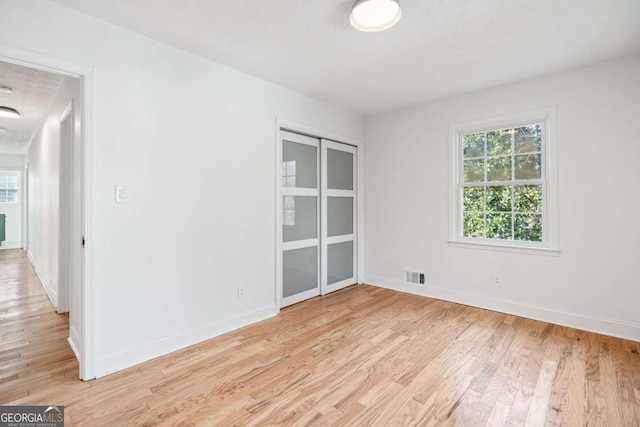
<point>529,250</point>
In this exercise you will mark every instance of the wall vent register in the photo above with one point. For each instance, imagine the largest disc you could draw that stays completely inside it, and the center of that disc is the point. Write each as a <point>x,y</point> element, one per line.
<point>414,277</point>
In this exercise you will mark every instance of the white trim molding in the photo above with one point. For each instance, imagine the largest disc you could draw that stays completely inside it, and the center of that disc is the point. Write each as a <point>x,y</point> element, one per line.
<point>600,325</point>
<point>16,244</point>
<point>46,284</point>
<point>491,246</point>
<point>74,348</point>
<point>64,206</point>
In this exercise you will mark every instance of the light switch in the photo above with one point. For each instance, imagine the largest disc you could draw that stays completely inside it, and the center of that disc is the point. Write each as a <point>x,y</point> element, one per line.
<point>122,194</point>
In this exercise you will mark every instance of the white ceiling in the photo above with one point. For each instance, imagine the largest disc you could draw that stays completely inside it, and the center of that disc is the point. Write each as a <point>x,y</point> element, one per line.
<point>33,92</point>
<point>440,48</point>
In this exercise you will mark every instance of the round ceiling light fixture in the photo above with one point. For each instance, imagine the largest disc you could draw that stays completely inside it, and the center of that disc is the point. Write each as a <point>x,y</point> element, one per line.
<point>9,113</point>
<point>2,130</point>
<point>375,15</point>
<point>6,89</point>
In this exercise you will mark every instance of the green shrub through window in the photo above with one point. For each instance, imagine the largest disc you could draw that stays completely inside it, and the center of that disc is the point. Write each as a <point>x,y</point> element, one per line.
<point>501,185</point>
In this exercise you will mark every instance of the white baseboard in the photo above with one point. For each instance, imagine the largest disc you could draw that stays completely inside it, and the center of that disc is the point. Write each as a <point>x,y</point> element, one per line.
<point>600,325</point>
<point>11,245</point>
<point>51,293</point>
<point>117,362</point>
<point>74,348</point>
<point>74,338</point>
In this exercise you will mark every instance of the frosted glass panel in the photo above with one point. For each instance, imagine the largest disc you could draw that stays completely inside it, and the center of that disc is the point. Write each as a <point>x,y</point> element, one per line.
<point>299,218</point>
<point>339,262</point>
<point>300,271</point>
<point>339,170</point>
<point>339,216</point>
<point>299,165</point>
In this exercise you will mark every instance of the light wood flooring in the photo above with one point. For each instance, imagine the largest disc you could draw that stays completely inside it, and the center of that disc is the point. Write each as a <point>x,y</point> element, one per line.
<point>361,356</point>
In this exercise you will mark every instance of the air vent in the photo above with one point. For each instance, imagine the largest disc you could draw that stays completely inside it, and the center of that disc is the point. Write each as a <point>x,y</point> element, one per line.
<point>415,277</point>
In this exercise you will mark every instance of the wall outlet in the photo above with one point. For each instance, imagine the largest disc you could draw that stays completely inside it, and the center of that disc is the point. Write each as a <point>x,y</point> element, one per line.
<point>497,280</point>
<point>242,291</point>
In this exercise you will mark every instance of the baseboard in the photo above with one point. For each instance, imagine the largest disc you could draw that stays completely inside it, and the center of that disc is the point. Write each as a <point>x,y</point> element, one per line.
<point>74,348</point>
<point>11,245</point>
<point>51,293</point>
<point>611,327</point>
<point>117,362</point>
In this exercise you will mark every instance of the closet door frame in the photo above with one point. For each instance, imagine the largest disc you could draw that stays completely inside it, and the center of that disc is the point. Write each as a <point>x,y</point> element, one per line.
<point>296,127</point>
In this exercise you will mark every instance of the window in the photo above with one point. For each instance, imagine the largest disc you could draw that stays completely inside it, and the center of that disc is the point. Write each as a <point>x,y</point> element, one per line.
<point>502,188</point>
<point>8,189</point>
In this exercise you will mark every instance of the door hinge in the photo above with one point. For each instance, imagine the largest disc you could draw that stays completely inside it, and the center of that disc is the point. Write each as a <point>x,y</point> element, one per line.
<point>83,241</point>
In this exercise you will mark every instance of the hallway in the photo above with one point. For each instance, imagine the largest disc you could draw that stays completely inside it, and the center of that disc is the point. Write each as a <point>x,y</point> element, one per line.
<point>34,337</point>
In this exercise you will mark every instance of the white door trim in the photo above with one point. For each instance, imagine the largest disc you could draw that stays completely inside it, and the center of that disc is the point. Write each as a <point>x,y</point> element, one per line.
<point>300,244</point>
<point>65,197</point>
<point>25,206</point>
<point>283,124</point>
<point>43,62</point>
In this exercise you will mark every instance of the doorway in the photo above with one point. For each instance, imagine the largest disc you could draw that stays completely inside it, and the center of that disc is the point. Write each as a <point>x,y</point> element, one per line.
<point>70,254</point>
<point>319,217</point>
<point>56,215</point>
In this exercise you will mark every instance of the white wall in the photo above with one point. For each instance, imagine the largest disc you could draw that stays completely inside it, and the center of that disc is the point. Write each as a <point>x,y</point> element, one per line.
<point>593,283</point>
<point>195,143</point>
<point>11,161</point>
<point>43,159</point>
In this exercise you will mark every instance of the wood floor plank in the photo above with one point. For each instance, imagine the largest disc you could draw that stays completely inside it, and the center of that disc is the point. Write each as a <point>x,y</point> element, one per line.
<point>358,357</point>
<point>609,384</point>
<point>540,401</point>
<point>499,414</point>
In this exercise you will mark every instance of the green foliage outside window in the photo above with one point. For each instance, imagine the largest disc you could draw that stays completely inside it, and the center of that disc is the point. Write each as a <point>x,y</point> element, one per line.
<point>505,210</point>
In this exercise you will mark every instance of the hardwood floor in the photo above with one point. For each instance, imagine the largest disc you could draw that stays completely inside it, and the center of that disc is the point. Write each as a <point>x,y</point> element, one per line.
<point>361,356</point>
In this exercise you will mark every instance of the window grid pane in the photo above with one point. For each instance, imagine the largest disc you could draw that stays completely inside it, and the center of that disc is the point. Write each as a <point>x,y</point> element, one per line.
<point>507,204</point>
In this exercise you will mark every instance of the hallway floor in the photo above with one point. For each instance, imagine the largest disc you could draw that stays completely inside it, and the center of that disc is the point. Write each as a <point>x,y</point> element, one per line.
<point>34,349</point>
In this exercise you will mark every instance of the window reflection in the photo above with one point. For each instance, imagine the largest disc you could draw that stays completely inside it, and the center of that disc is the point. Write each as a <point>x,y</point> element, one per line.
<point>289,173</point>
<point>289,210</point>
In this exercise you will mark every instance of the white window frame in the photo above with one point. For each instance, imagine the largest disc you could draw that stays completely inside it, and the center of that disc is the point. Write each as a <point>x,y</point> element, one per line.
<point>549,178</point>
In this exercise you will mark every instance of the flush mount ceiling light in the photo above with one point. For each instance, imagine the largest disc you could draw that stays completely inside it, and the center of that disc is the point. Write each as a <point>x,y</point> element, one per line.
<point>2,130</point>
<point>375,15</point>
<point>5,89</point>
<point>9,113</point>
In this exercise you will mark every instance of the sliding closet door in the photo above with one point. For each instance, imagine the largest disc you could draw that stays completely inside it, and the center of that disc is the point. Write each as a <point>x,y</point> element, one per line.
<point>338,207</point>
<point>300,212</point>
